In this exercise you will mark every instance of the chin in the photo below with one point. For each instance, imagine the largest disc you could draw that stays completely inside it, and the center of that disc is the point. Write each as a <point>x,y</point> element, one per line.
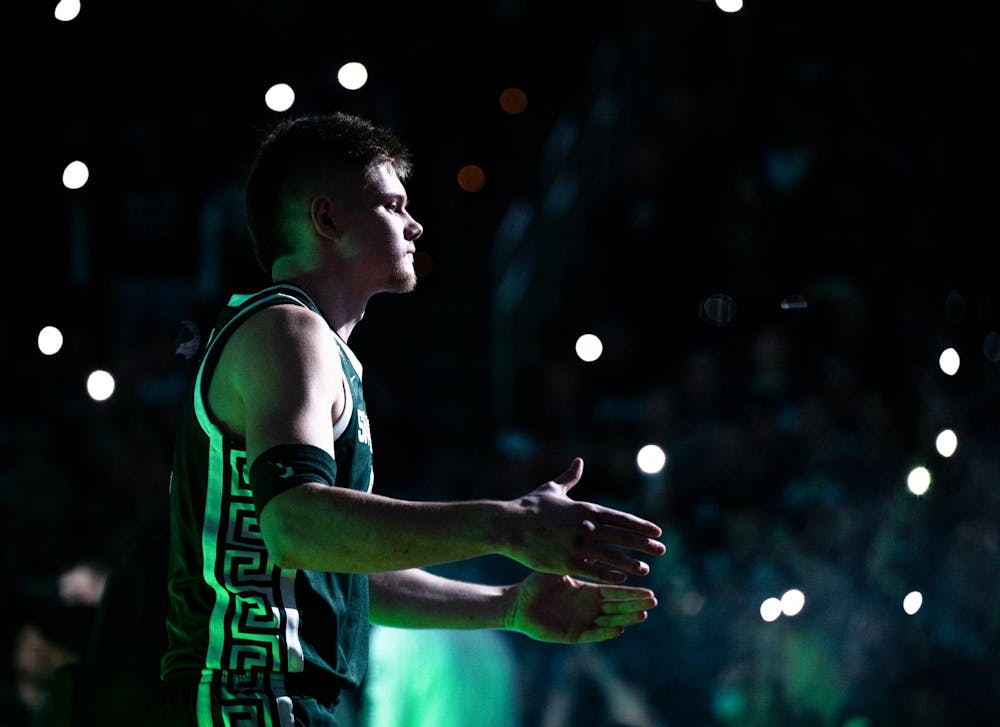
<point>403,283</point>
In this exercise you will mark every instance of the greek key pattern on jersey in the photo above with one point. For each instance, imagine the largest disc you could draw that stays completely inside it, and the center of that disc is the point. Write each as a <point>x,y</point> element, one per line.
<point>255,711</point>
<point>254,629</point>
<point>245,712</point>
<point>250,705</point>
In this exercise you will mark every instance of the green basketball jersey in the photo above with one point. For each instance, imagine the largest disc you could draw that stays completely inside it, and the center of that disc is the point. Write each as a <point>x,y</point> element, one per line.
<point>232,609</point>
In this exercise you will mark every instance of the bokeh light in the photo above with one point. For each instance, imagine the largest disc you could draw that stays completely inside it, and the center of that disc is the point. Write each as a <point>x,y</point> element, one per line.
<point>691,603</point>
<point>589,347</point>
<point>919,480</point>
<point>949,361</point>
<point>794,302</point>
<point>946,443</point>
<point>75,175</point>
<point>912,602</point>
<point>792,602</point>
<point>279,97</point>
<point>352,76</point>
<point>955,307</point>
<point>770,609</point>
<point>651,459</point>
<point>100,385</point>
<point>67,10</point>
<point>513,100</point>
<point>798,399</point>
<point>50,340</point>
<point>718,309</point>
<point>471,178</point>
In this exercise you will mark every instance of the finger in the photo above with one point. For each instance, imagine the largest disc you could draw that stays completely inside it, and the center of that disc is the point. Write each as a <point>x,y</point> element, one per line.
<point>625,593</point>
<point>629,605</point>
<point>584,567</point>
<point>627,521</point>
<point>600,555</point>
<point>626,539</point>
<point>621,619</point>
<point>571,476</point>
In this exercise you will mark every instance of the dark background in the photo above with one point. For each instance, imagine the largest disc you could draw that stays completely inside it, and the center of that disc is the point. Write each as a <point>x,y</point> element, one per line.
<point>669,154</point>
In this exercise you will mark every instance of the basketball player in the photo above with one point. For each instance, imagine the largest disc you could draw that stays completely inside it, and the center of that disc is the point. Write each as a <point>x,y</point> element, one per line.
<point>282,552</point>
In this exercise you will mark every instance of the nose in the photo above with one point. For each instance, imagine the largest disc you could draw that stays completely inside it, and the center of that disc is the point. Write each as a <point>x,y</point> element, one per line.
<point>413,230</point>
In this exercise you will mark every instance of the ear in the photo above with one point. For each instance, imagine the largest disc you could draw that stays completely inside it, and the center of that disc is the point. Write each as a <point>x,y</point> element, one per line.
<point>323,218</point>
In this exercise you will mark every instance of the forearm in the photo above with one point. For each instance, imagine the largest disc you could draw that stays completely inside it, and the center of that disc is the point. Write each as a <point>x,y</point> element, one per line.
<point>336,529</point>
<point>317,527</point>
<point>415,598</point>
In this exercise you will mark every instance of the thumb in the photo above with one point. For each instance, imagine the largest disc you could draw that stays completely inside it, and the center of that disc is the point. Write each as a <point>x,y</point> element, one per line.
<point>571,476</point>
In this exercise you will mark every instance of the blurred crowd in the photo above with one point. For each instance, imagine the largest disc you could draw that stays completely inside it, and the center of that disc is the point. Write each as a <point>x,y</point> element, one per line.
<point>772,286</point>
<point>787,455</point>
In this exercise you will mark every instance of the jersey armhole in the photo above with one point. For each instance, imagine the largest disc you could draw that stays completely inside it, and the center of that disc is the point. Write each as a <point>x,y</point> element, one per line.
<point>340,426</point>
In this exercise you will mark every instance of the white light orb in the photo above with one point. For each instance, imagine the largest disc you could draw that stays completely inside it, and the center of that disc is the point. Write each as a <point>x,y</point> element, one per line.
<point>912,602</point>
<point>949,361</point>
<point>919,480</point>
<point>589,347</point>
<point>651,459</point>
<point>946,443</point>
<point>75,175</point>
<point>770,609</point>
<point>50,340</point>
<point>100,385</point>
<point>279,97</point>
<point>352,76</point>
<point>792,602</point>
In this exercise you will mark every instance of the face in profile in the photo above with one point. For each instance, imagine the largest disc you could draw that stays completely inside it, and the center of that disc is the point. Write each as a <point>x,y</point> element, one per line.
<point>386,232</point>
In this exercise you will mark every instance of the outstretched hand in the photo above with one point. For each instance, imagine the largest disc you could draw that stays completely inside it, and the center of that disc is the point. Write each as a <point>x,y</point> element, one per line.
<point>555,534</point>
<point>562,609</point>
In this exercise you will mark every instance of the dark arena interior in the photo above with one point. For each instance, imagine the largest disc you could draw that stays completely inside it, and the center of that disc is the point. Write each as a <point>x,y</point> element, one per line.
<point>734,256</point>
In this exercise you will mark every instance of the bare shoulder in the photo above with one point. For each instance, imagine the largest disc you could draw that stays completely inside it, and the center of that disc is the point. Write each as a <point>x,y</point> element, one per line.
<point>285,322</point>
<point>282,355</point>
<point>283,337</point>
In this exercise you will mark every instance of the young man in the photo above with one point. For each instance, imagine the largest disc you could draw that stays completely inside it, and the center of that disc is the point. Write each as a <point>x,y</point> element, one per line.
<point>281,553</point>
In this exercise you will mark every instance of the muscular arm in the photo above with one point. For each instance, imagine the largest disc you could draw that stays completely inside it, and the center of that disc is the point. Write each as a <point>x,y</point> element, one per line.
<point>543,606</point>
<point>415,598</point>
<point>281,375</point>
<point>335,529</point>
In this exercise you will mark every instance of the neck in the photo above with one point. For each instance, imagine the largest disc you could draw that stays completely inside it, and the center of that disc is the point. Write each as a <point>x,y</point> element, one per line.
<point>342,307</point>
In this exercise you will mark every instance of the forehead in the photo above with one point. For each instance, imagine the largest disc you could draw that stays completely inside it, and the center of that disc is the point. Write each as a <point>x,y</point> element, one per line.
<point>382,180</point>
